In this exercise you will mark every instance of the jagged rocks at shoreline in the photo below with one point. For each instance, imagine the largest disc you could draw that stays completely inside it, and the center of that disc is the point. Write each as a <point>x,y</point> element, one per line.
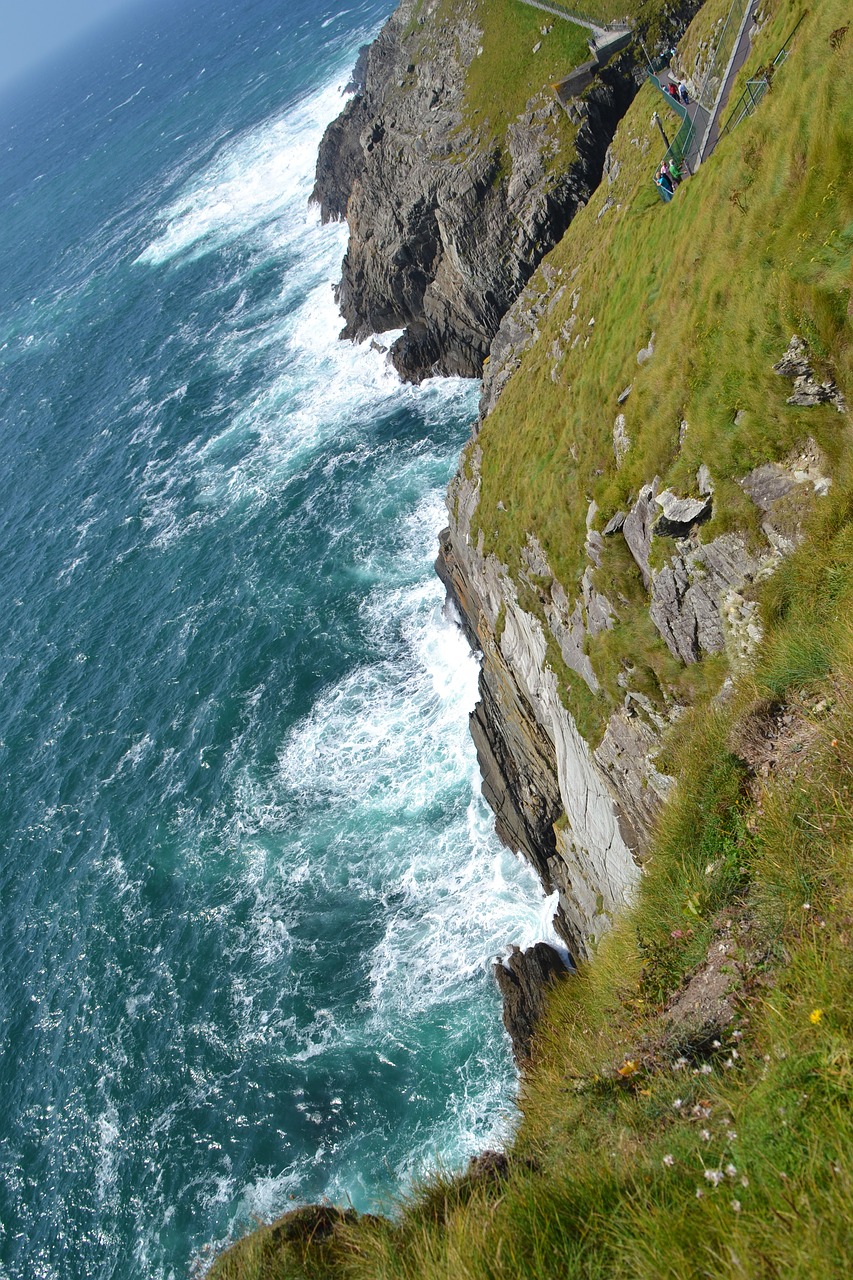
<point>523,980</point>
<point>447,222</point>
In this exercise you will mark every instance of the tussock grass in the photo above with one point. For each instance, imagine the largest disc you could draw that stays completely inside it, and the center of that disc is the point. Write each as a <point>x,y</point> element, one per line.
<point>643,1151</point>
<point>507,77</point>
<point>722,282</point>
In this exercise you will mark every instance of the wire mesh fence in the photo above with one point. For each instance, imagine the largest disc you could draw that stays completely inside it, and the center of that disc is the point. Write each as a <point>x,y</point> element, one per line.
<point>719,61</point>
<point>756,89</point>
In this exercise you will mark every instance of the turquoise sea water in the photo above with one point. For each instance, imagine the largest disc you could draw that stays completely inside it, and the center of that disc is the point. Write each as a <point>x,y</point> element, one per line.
<point>250,890</point>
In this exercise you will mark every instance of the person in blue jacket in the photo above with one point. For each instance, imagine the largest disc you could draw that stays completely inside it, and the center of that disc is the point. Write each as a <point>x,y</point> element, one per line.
<point>664,182</point>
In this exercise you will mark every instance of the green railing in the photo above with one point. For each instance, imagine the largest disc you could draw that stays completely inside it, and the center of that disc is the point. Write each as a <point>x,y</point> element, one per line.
<point>678,150</point>
<point>755,90</point>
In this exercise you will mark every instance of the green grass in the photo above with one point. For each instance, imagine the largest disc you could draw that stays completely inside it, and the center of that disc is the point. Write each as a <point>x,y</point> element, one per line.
<point>715,279</point>
<point>508,73</point>
<point>603,11</point>
<point>624,1114</point>
<point>507,77</point>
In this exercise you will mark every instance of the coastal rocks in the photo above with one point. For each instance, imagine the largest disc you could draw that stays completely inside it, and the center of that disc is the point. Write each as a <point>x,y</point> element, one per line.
<point>621,439</point>
<point>783,493</point>
<point>646,353</point>
<point>552,799</point>
<point>523,981</point>
<point>626,755</point>
<point>447,223</point>
<point>680,514</point>
<point>518,765</point>
<point>687,595</point>
<point>520,328</point>
<point>570,625</point>
<point>701,600</point>
<point>637,528</point>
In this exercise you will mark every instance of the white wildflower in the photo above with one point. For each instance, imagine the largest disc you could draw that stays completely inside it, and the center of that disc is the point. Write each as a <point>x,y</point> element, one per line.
<point>668,1161</point>
<point>714,1176</point>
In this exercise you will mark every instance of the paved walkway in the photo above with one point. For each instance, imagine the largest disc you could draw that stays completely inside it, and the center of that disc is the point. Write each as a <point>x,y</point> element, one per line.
<point>696,114</point>
<point>738,58</point>
<point>579,19</point>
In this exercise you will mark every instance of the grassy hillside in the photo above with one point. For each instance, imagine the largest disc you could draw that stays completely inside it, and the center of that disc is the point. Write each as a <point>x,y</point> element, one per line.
<point>523,51</point>
<point>754,248</point>
<point>688,1108</point>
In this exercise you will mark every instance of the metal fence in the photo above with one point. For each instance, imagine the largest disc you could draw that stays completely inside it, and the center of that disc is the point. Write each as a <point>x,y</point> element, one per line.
<point>755,90</point>
<point>716,69</point>
<point>678,150</point>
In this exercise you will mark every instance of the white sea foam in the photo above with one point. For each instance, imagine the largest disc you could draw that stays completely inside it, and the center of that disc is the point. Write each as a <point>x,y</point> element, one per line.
<point>315,388</point>
<point>373,801</point>
<point>378,753</point>
<point>251,184</point>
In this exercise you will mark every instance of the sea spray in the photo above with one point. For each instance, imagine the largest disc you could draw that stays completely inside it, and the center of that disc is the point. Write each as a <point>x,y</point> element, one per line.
<point>251,888</point>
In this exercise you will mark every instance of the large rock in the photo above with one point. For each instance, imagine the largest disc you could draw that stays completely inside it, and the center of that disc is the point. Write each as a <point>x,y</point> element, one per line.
<point>447,223</point>
<point>638,528</point>
<point>553,799</point>
<point>680,515</point>
<point>523,982</point>
<point>796,364</point>
<point>688,594</point>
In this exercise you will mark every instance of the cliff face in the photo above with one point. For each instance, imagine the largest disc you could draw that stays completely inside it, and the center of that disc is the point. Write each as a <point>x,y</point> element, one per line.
<point>448,217</point>
<point>659,603</point>
<point>581,816</point>
<point>580,676</point>
<point>448,220</point>
<point>663,428</point>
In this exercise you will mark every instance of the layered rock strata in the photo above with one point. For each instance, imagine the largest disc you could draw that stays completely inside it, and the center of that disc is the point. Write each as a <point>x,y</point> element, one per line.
<point>582,817</point>
<point>582,814</point>
<point>523,981</point>
<point>448,222</point>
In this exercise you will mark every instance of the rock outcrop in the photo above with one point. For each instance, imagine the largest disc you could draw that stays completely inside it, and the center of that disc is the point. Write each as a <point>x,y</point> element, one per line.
<point>583,814</point>
<point>523,982</point>
<point>796,364</point>
<point>581,817</point>
<point>448,222</point>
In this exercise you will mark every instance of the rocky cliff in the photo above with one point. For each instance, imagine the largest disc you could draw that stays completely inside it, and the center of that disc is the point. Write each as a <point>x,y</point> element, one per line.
<point>586,668</point>
<point>448,219</point>
<point>449,211</point>
<point>650,545</point>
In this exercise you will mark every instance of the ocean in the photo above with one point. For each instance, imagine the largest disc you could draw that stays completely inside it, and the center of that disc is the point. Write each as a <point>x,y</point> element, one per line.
<point>250,890</point>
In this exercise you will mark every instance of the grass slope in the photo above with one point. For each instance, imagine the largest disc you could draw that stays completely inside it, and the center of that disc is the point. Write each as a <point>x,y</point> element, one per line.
<point>755,247</point>
<point>650,1146</point>
<point>524,50</point>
